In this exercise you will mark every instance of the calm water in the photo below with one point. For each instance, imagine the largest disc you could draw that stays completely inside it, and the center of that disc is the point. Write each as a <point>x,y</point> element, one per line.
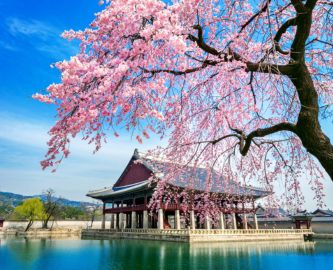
<point>64,254</point>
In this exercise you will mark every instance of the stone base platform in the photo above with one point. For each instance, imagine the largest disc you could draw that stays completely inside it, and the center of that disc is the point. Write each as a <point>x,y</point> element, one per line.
<point>323,236</point>
<point>200,235</point>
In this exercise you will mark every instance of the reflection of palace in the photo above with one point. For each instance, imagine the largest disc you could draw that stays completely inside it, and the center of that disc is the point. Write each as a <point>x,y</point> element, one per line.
<point>127,201</point>
<point>251,247</point>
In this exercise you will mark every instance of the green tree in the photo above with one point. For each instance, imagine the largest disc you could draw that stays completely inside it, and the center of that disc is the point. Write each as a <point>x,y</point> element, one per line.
<point>71,212</point>
<point>31,209</point>
<point>5,209</point>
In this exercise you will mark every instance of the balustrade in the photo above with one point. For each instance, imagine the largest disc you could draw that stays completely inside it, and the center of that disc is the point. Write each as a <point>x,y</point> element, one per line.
<point>205,232</point>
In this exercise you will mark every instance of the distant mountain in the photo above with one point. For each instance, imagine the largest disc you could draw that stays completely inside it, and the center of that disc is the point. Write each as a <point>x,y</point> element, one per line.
<point>13,199</point>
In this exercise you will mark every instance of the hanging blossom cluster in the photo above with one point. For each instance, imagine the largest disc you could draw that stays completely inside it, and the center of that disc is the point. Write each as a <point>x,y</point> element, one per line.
<point>210,76</point>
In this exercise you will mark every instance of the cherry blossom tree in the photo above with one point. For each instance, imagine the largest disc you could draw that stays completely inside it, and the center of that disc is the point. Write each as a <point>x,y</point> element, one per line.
<point>238,87</point>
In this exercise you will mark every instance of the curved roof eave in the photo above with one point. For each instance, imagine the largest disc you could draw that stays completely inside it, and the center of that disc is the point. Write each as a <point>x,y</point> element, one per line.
<point>110,192</point>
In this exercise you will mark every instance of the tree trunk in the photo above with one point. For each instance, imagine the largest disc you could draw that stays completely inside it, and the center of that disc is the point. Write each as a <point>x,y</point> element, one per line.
<point>45,222</point>
<point>29,225</point>
<point>308,127</point>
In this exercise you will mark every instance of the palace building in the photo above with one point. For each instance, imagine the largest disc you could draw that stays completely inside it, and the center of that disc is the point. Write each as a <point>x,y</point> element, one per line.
<point>127,201</point>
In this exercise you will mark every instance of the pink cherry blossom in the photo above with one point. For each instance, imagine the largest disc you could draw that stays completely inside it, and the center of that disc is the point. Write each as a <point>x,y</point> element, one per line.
<point>234,86</point>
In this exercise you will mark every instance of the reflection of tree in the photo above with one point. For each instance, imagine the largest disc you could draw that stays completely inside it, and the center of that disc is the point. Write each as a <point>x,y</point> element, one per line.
<point>146,255</point>
<point>27,251</point>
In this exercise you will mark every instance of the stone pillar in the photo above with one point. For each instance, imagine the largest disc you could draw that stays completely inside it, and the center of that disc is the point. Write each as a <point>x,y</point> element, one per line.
<point>245,222</point>
<point>255,221</point>
<point>112,221</point>
<point>177,220</point>
<point>160,223</point>
<point>115,221</point>
<point>222,221</point>
<point>103,217</point>
<point>234,221</point>
<point>133,221</point>
<point>145,219</point>
<point>122,221</point>
<point>207,223</point>
<point>192,220</point>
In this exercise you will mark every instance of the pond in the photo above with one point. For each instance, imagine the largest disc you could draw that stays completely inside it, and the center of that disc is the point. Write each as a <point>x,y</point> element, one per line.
<point>47,254</point>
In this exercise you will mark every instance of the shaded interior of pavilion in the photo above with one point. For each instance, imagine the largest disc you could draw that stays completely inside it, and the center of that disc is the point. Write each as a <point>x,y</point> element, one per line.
<point>134,213</point>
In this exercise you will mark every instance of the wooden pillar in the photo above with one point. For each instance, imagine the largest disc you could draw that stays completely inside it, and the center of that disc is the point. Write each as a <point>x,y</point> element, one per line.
<point>177,220</point>
<point>103,217</point>
<point>192,220</point>
<point>222,222</point>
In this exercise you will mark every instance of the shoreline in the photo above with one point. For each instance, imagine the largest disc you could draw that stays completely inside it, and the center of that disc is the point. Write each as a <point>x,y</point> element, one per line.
<point>98,234</point>
<point>41,232</point>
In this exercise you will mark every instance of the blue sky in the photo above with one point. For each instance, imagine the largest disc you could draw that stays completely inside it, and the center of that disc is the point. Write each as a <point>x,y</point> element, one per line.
<point>29,42</point>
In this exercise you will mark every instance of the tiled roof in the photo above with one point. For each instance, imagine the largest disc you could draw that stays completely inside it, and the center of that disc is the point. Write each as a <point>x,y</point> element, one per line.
<point>322,212</point>
<point>190,177</point>
<point>197,178</point>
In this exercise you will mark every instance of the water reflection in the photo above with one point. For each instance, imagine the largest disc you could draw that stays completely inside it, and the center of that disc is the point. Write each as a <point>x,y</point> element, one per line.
<point>165,255</point>
<point>138,254</point>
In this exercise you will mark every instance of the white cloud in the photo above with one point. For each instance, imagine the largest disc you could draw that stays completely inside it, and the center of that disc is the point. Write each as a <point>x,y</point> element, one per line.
<point>7,46</point>
<point>24,144</point>
<point>43,36</point>
<point>34,135</point>
<point>31,28</point>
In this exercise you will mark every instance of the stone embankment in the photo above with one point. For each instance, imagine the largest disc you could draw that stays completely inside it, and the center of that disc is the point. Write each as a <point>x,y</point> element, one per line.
<point>323,236</point>
<point>199,235</point>
<point>41,232</point>
<point>57,228</point>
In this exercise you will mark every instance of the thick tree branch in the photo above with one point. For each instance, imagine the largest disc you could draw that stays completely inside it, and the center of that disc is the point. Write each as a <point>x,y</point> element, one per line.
<point>201,43</point>
<point>262,10</point>
<point>280,32</point>
<point>174,72</point>
<point>298,5</point>
<point>231,56</point>
<point>262,132</point>
<point>303,22</point>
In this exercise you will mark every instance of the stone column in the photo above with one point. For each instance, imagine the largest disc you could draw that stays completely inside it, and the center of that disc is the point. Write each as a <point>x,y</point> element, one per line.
<point>222,222</point>
<point>115,221</point>
<point>145,219</point>
<point>245,222</point>
<point>133,224</point>
<point>207,223</point>
<point>192,220</point>
<point>103,217</point>
<point>234,221</point>
<point>160,223</point>
<point>122,220</point>
<point>255,221</point>
<point>112,221</point>
<point>177,220</point>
